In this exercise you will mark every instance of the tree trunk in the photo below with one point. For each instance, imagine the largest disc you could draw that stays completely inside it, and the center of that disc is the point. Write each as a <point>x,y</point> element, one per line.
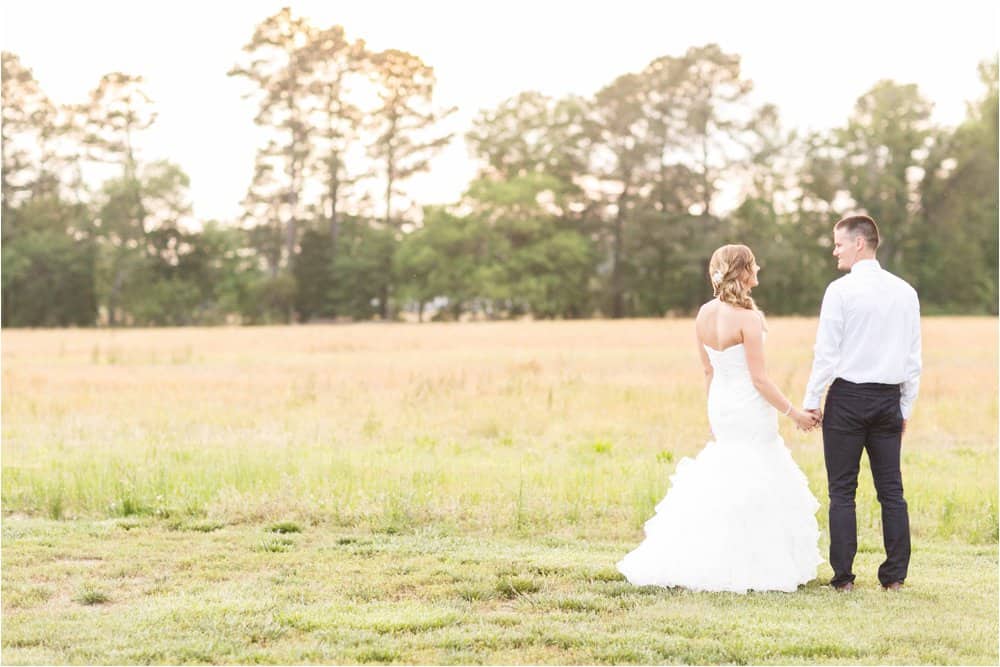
<point>291,230</point>
<point>617,295</point>
<point>663,190</point>
<point>132,176</point>
<point>294,180</point>
<point>705,184</point>
<point>334,188</point>
<point>384,293</point>
<point>388,199</point>
<point>114,297</point>
<point>383,302</point>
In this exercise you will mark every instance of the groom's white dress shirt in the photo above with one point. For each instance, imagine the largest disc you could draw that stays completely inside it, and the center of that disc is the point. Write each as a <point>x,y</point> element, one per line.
<point>869,331</point>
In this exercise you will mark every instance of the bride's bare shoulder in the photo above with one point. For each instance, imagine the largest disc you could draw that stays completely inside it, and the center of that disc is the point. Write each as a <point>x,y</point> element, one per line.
<point>751,322</point>
<point>705,319</point>
<point>706,315</point>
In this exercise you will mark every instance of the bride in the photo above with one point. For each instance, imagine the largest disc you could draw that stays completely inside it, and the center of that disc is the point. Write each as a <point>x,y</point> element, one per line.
<point>740,515</point>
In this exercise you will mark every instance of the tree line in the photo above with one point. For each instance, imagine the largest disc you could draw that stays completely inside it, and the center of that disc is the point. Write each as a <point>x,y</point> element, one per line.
<point>607,205</point>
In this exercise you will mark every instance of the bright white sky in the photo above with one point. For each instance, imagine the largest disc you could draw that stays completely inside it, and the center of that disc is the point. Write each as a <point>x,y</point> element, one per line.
<point>811,59</point>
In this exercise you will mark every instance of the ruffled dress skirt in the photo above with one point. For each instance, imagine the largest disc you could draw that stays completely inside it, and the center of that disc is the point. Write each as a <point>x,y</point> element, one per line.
<point>739,516</point>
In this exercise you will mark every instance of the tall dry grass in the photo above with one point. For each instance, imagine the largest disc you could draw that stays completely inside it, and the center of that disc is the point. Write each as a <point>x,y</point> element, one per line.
<point>527,427</point>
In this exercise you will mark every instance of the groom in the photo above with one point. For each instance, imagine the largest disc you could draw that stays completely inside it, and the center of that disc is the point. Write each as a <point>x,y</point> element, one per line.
<point>868,344</point>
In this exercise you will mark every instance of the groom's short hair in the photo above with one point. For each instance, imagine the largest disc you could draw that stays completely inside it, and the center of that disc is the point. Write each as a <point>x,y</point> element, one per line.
<point>860,225</point>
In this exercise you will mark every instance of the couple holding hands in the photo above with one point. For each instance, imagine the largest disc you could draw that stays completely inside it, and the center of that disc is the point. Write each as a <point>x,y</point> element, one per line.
<point>740,515</point>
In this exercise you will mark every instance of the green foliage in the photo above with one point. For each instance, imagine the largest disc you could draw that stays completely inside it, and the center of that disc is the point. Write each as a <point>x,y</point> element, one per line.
<point>90,595</point>
<point>283,527</point>
<point>361,271</point>
<point>532,133</point>
<point>512,587</point>
<point>583,205</point>
<point>274,545</point>
<point>269,299</point>
<point>551,276</point>
<point>444,258</point>
<point>601,446</point>
<point>162,302</point>
<point>313,278</point>
<point>881,150</point>
<point>510,254</point>
<point>203,526</point>
<point>958,246</point>
<point>48,273</point>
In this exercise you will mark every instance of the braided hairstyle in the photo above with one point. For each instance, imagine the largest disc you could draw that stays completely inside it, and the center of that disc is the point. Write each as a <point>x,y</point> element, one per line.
<point>728,268</point>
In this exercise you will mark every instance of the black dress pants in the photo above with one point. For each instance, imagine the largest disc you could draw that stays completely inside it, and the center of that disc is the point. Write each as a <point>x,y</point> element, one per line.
<point>856,417</point>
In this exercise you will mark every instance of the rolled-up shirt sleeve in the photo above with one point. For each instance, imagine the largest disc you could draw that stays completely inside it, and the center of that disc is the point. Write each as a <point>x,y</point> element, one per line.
<point>826,353</point>
<point>911,384</point>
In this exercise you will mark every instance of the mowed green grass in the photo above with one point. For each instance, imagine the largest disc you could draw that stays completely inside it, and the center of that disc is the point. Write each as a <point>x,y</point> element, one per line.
<point>444,494</point>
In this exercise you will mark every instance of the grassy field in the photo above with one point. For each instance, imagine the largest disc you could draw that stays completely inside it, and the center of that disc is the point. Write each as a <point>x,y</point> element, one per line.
<point>444,494</point>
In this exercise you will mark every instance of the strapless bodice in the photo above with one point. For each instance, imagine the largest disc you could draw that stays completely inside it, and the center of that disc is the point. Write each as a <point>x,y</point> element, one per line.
<point>736,410</point>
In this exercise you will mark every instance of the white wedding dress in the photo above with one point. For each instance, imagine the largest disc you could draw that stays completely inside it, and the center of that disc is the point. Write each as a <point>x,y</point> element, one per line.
<point>740,515</point>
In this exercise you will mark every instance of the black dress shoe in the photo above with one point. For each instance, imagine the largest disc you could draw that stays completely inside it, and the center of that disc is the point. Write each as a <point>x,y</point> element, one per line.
<point>894,586</point>
<point>845,588</point>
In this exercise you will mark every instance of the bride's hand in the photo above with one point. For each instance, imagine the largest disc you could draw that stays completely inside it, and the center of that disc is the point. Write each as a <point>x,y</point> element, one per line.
<point>805,420</point>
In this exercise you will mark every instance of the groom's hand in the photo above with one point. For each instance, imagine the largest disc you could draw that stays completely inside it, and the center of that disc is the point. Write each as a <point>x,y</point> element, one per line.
<point>818,414</point>
<point>804,420</point>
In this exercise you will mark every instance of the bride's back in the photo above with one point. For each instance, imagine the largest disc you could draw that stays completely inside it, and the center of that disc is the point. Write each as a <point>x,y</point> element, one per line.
<point>720,325</point>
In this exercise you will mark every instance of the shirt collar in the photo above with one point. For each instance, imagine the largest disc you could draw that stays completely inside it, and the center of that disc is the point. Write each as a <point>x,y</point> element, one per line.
<point>866,265</point>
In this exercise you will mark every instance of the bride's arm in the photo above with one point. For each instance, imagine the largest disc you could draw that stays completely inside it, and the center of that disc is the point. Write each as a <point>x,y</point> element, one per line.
<point>705,362</point>
<point>753,345</point>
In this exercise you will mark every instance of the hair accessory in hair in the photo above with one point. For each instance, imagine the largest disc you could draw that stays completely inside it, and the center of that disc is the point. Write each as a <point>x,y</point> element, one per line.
<point>717,276</point>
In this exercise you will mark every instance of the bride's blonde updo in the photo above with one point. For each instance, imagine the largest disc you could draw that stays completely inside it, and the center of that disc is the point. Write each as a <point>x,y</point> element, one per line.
<point>728,270</point>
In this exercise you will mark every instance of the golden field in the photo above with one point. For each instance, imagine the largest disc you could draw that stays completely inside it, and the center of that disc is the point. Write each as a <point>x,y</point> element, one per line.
<point>572,420</point>
<point>550,441</point>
